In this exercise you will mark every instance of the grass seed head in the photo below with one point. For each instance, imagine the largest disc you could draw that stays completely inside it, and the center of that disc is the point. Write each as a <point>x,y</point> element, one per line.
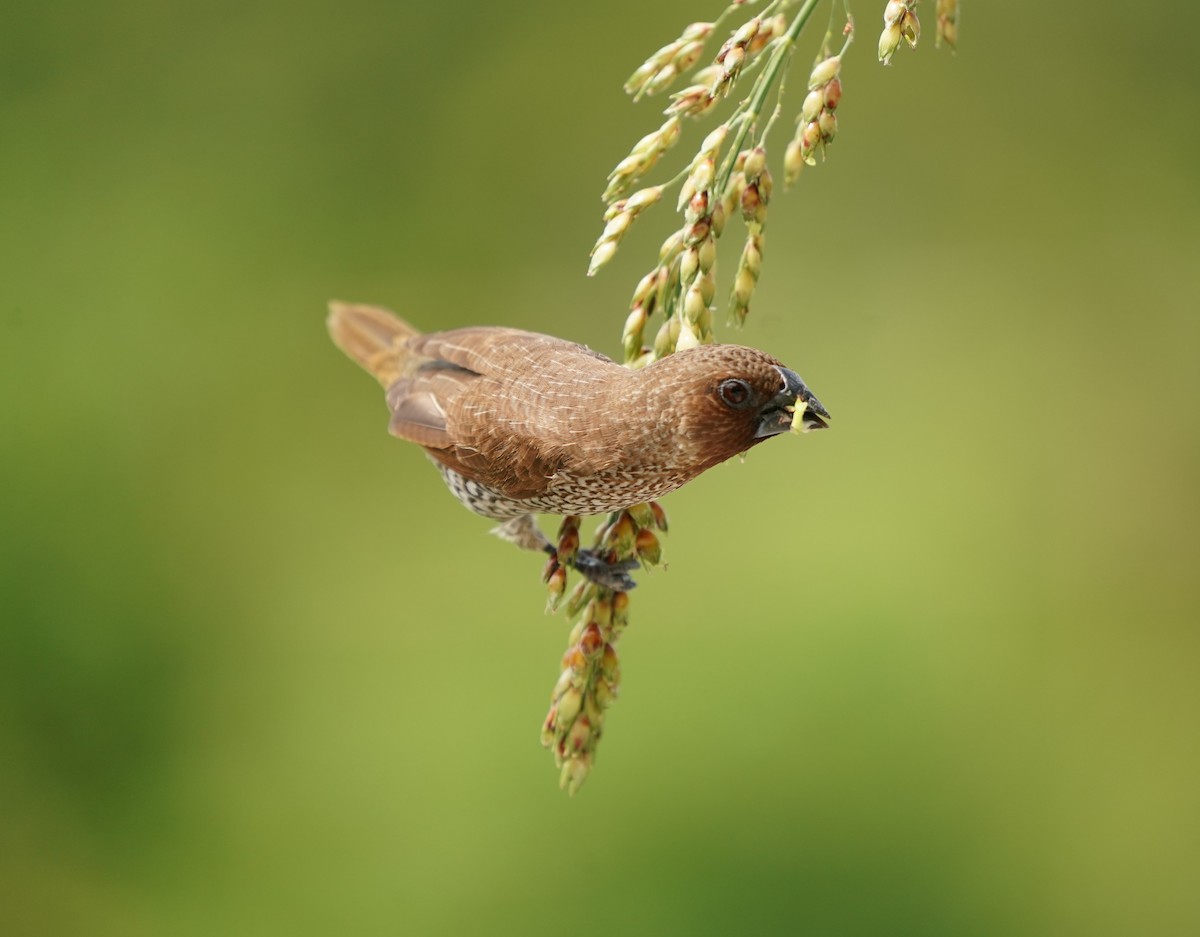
<point>947,23</point>
<point>889,42</point>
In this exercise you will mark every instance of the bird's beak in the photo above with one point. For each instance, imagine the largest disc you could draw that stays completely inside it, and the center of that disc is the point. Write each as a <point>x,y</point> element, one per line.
<point>794,402</point>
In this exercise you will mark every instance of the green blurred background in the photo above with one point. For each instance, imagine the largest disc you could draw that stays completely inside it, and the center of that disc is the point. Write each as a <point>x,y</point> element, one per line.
<point>933,672</point>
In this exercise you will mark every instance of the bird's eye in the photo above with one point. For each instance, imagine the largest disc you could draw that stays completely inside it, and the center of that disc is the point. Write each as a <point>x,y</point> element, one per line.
<point>734,393</point>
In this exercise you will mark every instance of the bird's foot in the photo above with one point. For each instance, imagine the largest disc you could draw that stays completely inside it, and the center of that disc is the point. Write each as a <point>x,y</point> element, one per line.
<point>606,575</point>
<point>523,531</point>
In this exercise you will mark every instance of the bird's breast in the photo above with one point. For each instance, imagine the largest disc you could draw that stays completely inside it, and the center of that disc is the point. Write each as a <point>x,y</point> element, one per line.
<point>601,493</point>
<point>610,490</point>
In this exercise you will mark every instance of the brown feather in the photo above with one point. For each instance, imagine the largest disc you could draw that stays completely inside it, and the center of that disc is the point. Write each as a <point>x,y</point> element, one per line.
<point>371,336</point>
<point>552,426</point>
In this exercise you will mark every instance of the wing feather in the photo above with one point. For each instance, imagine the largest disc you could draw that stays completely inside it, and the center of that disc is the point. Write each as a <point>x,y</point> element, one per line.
<point>509,409</point>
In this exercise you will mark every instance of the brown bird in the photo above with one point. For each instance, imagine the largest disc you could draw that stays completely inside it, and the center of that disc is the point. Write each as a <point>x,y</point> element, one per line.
<point>522,424</point>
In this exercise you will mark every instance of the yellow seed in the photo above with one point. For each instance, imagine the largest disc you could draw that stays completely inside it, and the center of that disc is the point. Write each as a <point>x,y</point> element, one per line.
<point>693,304</point>
<point>686,191</point>
<point>601,255</point>
<point>688,56</point>
<point>743,287</point>
<point>643,199</point>
<point>670,247</point>
<point>641,360</point>
<point>752,255</point>
<point>947,33</point>
<point>634,83</point>
<point>707,77</point>
<point>574,773</point>
<point>833,94</point>
<point>576,600</point>
<point>889,42</point>
<point>825,71</point>
<point>604,694</point>
<point>556,585</point>
<point>569,706</point>
<point>602,616</point>
<point>689,263</point>
<point>756,160</point>
<point>579,737</point>
<point>732,62</point>
<point>828,125</point>
<point>641,514</point>
<point>746,32</point>
<point>648,144</point>
<point>692,101</point>
<point>646,285</point>
<point>609,665</point>
<point>687,339</point>
<point>718,218</point>
<point>663,78</point>
<point>649,550</point>
<point>809,138</point>
<point>616,228</point>
<point>565,680</point>
<point>713,142</point>
<point>631,338</point>
<point>662,341</point>
<point>594,712</point>
<point>631,165</point>
<point>793,163</point>
<point>668,133</point>
<point>813,102</point>
<point>620,537</point>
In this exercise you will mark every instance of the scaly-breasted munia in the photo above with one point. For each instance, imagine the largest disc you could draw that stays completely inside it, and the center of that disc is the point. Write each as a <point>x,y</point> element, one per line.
<point>522,424</point>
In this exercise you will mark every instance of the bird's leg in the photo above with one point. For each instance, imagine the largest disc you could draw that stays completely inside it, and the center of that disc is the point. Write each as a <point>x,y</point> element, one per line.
<point>523,532</point>
<point>614,576</point>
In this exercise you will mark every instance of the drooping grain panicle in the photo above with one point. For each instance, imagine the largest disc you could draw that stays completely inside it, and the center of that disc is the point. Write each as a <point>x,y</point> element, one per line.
<point>641,159</point>
<point>817,124</point>
<point>711,84</point>
<point>588,682</point>
<point>754,184</point>
<point>702,217</point>
<point>727,178</point>
<point>661,69</point>
<point>900,23</point>
<point>947,24</point>
<point>617,220</point>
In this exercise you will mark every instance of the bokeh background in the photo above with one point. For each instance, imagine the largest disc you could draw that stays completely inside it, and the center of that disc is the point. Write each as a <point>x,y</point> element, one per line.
<point>933,672</point>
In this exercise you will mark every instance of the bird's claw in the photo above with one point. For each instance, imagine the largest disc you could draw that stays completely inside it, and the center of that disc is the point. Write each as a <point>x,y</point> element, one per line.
<point>614,576</point>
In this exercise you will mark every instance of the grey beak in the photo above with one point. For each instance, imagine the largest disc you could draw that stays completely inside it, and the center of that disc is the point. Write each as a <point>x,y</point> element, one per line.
<point>795,399</point>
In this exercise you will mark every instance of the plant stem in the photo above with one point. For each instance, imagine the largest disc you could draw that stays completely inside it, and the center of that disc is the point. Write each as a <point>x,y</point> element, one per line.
<point>762,87</point>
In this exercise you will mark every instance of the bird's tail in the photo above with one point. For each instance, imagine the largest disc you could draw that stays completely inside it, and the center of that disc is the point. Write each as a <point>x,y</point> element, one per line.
<point>371,336</point>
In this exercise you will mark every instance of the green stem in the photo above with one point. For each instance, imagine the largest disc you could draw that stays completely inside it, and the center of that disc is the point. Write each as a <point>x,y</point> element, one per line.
<point>762,138</point>
<point>762,87</point>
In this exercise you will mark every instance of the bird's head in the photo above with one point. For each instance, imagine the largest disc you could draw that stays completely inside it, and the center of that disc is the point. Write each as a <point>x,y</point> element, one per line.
<point>727,398</point>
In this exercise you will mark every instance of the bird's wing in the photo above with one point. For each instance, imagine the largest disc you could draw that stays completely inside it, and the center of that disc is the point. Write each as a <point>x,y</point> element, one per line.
<point>509,409</point>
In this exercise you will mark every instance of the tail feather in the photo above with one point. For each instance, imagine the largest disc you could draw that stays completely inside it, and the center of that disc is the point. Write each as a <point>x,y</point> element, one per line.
<point>371,336</point>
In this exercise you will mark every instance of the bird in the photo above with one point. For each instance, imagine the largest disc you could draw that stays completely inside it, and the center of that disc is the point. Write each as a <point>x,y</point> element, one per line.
<point>522,424</point>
